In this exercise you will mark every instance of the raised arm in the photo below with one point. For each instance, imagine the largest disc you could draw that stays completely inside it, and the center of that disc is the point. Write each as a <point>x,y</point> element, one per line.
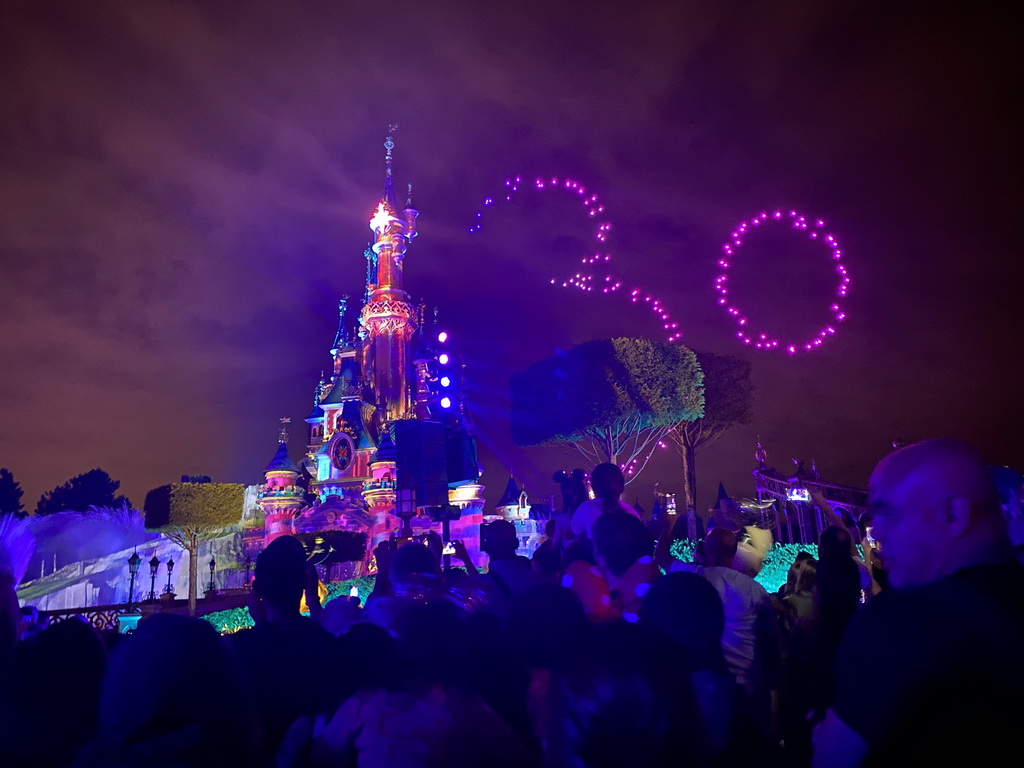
<point>462,555</point>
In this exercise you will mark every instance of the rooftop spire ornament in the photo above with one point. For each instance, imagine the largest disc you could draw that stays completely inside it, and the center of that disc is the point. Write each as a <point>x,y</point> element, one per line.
<point>283,437</point>
<point>389,145</point>
<point>760,454</point>
<point>389,182</point>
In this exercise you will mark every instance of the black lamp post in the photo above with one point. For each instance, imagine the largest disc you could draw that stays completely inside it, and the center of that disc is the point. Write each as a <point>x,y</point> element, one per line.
<point>211,587</point>
<point>133,568</point>
<point>169,590</point>
<point>154,564</point>
<point>248,567</point>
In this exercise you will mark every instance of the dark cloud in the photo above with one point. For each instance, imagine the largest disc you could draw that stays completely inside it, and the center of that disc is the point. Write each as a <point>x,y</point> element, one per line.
<point>184,189</point>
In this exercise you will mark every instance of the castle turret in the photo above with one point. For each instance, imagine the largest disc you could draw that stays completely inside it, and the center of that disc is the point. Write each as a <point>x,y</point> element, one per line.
<point>280,499</point>
<point>388,319</point>
<point>508,504</point>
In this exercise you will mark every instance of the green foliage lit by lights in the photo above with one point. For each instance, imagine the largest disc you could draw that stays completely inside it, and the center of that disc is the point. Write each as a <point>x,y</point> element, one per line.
<point>342,588</point>
<point>776,564</point>
<point>682,549</point>
<point>778,561</point>
<point>235,619</point>
<point>230,621</point>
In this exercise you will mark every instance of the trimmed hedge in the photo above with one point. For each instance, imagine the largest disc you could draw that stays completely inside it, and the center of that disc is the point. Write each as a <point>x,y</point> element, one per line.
<point>194,505</point>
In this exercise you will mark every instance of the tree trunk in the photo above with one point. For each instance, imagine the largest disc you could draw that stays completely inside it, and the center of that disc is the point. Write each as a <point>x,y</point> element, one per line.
<point>609,449</point>
<point>688,500</point>
<point>691,475</point>
<point>193,572</point>
<point>689,457</point>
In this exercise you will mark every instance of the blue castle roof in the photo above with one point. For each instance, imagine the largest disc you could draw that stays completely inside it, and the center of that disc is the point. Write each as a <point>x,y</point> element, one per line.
<point>281,462</point>
<point>510,498</point>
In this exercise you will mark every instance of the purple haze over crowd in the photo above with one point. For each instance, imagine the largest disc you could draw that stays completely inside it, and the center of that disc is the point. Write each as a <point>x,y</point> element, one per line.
<point>184,190</point>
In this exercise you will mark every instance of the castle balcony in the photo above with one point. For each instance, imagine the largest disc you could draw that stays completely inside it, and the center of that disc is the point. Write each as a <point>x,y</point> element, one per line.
<point>377,496</point>
<point>285,492</point>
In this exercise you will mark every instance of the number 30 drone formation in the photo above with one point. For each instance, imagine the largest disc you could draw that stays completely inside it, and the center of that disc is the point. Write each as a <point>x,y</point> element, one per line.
<point>590,278</point>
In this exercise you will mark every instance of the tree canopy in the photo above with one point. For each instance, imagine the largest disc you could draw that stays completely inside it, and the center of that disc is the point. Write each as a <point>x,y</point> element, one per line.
<point>10,494</point>
<point>610,399</point>
<point>728,402</point>
<point>187,513</point>
<point>94,488</point>
<point>205,506</point>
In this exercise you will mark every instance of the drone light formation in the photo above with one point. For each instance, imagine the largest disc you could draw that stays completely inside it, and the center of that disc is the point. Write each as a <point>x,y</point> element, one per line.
<point>590,277</point>
<point>815,232</point>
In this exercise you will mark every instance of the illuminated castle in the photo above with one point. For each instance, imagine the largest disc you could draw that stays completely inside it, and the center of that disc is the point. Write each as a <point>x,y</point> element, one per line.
<point>388,431</point>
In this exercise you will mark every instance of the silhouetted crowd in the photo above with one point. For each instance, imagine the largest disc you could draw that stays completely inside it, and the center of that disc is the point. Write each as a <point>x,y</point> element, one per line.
<point>601,650</point>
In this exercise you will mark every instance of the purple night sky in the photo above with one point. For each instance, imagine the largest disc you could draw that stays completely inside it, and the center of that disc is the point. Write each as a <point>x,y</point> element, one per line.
<point>184,191</point>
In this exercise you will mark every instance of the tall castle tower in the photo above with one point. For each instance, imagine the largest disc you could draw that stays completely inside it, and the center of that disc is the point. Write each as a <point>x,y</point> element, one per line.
<point>379,375</point>
<point>387,318</point>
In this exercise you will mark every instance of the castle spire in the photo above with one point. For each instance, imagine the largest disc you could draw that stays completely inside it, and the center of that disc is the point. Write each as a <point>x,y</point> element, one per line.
<point>389,181</point>
<point>341,339</point>
<point>387,319</point>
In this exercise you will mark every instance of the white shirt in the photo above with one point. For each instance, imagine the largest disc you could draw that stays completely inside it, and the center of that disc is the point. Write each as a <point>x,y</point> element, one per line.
<point>743,599</point>
<point>587,512</point>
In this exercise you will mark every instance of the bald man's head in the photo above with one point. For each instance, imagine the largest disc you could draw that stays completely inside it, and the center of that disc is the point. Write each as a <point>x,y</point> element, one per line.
<point>934,509</point>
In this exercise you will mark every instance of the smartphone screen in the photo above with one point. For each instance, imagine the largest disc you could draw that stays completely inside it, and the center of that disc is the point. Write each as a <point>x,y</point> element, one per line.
<point>449,548</point>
